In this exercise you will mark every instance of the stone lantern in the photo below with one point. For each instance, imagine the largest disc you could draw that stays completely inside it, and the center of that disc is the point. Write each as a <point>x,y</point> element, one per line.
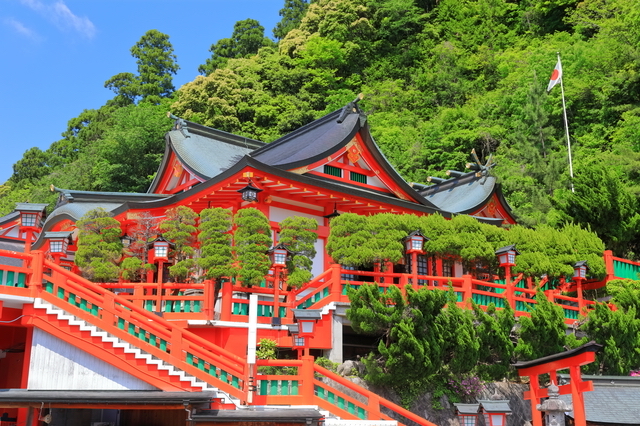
<point>554,408</point>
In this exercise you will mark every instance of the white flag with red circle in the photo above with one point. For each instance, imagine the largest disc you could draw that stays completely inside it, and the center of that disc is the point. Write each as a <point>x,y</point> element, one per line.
<point>556,75</point>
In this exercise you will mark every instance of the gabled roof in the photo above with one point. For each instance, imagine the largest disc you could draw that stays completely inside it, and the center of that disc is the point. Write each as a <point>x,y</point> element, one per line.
<point>323,138</point>
<point>204,151</point>
<point>314,141</point>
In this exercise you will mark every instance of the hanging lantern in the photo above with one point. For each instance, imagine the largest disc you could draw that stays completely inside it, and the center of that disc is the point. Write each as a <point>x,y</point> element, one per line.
<point>507,255</point>
<point>467,414</point>
<point>249,192</point>
<point>279,255</point>
<point>414,242</point>
<point>580,270</point>
<point>332,214</point>
<point>126,240</point>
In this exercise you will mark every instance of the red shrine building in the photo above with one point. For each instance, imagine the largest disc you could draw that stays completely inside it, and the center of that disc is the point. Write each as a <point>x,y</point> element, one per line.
<point>162,352</point>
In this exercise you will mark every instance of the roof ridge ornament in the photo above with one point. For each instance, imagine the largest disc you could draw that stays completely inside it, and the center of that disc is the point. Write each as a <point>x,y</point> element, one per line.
<point>179,124</point>
<point>479,168</point>
<point>351,107</point>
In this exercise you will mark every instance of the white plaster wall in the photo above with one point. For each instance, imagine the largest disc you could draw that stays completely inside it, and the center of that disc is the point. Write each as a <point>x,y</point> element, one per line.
<point>58,365</point>
<point>278,214</point>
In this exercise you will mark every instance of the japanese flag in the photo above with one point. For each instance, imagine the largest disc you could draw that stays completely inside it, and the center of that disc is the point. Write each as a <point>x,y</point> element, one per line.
<point>556,75</point>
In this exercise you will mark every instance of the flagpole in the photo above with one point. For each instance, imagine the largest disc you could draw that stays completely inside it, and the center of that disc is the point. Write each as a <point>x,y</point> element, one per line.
<point>566,126</point>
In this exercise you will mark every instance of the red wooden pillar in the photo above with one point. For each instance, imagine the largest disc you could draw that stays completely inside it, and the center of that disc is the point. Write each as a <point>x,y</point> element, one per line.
<point>467,288</point>
<point>608,263</point>
<point>306,374</point>
<point>159,288</point>
<point>277,273</point>
<point>439,271</point>
<point>37,269</point>
<point>336,280</point>
<point>226,306</point>
<point>414,269</point>
<point>509,293</point>
<point>209,301</point>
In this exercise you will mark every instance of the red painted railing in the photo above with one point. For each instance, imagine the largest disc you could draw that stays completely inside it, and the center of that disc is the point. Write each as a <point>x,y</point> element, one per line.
<point>131,323</point>
<point>307,386</point>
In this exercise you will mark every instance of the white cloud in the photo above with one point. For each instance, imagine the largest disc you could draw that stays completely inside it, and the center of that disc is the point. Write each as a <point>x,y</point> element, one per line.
<point>65,17</point>
<point>60,14</point>
<point>20,28</point>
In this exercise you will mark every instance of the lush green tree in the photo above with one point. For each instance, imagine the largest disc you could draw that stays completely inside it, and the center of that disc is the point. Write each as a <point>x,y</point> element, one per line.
<point>216,254</point>
<point>179,228</point>
<point>247,38</point>
<point>425,338</point>
<point>156,67</point>
<point>297,234</point>
<point>130,151</point>
<point>292,14</point>
<point>357,240</point>
<point>252,239</point>
<point>542,334</point>
<point>493,329</point>
<point>615,220</point>
<point>99,247</point>
<point>32,166</point>
<point>617,330</point>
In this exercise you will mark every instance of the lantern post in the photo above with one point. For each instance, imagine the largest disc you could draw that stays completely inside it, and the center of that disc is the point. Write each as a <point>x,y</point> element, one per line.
<point>580,270</point>
<point>279,256</point>
<point>58,244</point>
<point>414,245</point>
<point>31,219</point>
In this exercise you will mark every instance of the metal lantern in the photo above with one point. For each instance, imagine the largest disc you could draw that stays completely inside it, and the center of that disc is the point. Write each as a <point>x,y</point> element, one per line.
<point>414,242</point>
<point>249,192</point>
<point>294,330</point>
<point>495,412</point>
<point>126,240</point>
<point>580,269</point>
<point>507,255</point>
<point>307,319</point>
<point>279,255</point>
<point>58,242</point>
<point>467,414</point>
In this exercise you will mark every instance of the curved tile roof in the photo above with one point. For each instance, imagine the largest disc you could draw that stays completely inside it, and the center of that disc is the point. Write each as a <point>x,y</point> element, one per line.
<point>208,152</point>
<point>460,195</point>
<point>313,141</point>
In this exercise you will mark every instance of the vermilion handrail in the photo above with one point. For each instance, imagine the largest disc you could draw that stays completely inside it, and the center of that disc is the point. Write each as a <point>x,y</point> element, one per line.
<point>114,310</point>
<point>310,387</point>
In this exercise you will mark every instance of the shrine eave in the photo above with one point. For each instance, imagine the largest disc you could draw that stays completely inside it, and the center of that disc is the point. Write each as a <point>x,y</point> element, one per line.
<point>344,190</point>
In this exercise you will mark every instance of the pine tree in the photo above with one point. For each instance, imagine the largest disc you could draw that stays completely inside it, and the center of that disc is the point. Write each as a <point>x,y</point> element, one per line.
<point>215,245</point>
<point>297,234</point>
<point>252,241</point>
<point>179,228</point>
<point>544,333</point>
<point>99,246</point>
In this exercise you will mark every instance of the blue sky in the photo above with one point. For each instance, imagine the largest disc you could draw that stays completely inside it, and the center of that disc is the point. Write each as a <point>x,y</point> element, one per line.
<point>57,54</point>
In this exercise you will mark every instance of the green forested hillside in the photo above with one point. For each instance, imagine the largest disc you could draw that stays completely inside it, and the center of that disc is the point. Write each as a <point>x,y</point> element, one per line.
<point>439,78</point>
